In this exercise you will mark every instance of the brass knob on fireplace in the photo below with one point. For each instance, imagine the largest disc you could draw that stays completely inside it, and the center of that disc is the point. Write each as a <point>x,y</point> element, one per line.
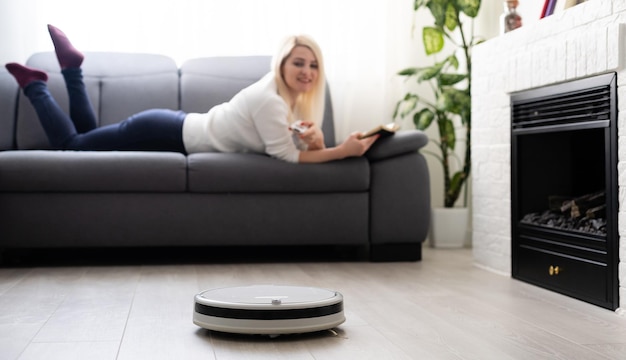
<point>553,270</point>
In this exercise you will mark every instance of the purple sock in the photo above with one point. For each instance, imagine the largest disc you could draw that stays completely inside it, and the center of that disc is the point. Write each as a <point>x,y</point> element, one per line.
<point>25,75</point>
<point>67,54</point>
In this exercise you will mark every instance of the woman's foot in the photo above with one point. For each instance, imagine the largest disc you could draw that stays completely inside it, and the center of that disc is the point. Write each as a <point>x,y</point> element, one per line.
<point>67,54</point>
<point>25,75</point>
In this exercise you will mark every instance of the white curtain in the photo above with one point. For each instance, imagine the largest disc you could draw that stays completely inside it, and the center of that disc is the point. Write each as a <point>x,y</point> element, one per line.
<point>365,42</point>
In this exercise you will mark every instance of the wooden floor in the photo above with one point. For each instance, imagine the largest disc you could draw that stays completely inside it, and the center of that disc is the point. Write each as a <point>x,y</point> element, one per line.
<point>443,307</point>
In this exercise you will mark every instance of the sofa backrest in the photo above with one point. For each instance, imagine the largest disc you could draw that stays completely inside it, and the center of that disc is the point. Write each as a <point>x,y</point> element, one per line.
<point>8,97</point>
<point>206,82</point>
<point>118,85</point>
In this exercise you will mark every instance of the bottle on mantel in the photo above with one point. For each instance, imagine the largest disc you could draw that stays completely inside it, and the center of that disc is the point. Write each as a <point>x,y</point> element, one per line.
<point>510,19</point>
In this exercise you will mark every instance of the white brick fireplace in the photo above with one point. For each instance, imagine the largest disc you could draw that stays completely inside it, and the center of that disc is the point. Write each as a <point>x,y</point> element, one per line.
<point>584,40</point>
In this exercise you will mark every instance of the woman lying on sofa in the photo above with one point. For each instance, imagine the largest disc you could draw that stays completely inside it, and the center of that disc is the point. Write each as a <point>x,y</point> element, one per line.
<point>259,119</point>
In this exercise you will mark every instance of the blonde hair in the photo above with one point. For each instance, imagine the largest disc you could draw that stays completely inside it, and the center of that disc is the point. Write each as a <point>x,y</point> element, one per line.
<point>309,106</point>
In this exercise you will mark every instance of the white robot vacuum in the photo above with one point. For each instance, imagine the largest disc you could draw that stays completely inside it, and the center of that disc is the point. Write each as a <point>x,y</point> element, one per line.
<point>268,309</point>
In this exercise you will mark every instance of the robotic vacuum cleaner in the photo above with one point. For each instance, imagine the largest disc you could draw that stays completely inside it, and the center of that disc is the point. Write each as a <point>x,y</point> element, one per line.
<point>268,309</point>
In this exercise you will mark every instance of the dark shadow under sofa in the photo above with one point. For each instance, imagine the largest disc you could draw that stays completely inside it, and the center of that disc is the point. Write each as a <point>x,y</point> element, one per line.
<point>52,199</point>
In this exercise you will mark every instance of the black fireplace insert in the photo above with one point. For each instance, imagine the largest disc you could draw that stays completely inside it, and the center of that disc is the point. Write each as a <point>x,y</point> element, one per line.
<point>564,188</point>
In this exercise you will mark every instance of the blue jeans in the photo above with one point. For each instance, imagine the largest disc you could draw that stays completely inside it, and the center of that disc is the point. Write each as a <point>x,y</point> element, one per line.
<point>150,130</point>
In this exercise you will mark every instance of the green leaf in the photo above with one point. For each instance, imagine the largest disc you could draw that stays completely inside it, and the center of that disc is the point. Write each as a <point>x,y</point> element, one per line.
<point>395,111</point>
<point>409,106</point>
<point>430,72</point>
<point>458,178</point>
<point>450,79</point>
<point>466,116</point>
<point>406,105</point>
<point>456,182</point>
<point>469,7</point>
<point>423,119</point>
<point>433,40</point>
<point>418,4</point>
<point>455,101</point>
<point>438,10</point>
<point>453,61</point>
<point>448,135</point>
<point>451,17</point>
<point>409,71</point>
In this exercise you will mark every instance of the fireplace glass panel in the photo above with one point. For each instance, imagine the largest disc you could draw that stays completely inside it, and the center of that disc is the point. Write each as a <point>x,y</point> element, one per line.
<point>558,165</point>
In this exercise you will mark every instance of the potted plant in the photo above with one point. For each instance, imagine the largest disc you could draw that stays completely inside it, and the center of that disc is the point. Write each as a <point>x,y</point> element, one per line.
<point>450,80</point>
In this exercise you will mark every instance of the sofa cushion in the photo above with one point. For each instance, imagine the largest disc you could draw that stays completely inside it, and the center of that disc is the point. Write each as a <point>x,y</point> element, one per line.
<point>86,171</point>
<point>248,173</point>
<point>210,81</point>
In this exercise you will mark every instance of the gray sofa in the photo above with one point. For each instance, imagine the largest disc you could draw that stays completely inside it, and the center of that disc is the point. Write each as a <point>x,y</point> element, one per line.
<point>52,199</point>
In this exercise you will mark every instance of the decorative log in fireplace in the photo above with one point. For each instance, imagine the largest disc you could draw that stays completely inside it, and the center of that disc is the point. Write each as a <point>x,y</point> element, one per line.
<point>584,214</point>
<point>564,188</point>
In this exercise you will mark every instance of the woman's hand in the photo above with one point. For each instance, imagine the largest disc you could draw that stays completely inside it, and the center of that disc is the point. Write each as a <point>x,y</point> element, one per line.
<point>353,146</point>
<point>313,136</point>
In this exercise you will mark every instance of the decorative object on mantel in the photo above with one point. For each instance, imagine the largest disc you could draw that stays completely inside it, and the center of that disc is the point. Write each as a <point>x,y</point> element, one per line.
<point>510,19</point>
<point>554,6</point>
<point>451,109</point>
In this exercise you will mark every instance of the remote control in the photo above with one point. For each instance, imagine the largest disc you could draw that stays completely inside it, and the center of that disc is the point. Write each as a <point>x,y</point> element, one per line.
<point>298,127</point>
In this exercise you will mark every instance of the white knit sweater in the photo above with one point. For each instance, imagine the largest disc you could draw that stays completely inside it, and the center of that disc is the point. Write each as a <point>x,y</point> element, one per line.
<point>254,120</point>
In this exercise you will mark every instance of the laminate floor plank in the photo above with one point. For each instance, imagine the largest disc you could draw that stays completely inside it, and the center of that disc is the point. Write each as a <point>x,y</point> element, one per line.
<point>611,351</point>
<point>261,347</point>
<point>31,300</point>
<point>160,321</point>
<point>358,342</point>
<point>95,308</point>
<point>15,338</point>
<point>10,277</point>
<point>575,320</point>
<point>568,318</point>
<point>504,333</point>
<point>71,351</point>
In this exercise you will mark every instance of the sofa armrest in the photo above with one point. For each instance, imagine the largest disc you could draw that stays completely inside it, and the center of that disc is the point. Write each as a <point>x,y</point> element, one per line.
<point>399,197</point>
<point>401,143</point>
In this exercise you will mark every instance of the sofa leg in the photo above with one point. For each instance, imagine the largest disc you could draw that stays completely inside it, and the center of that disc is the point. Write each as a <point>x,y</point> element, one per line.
<point>396,252</point>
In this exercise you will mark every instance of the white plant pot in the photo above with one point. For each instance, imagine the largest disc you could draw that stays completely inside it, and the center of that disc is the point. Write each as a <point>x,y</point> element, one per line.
<point>449,227</point>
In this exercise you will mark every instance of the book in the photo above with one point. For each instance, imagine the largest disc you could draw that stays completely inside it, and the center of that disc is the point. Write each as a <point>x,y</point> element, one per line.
<point>549,8</point>
<point>382,130</point>
<point>556,6</point>
<point>544,9</point>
